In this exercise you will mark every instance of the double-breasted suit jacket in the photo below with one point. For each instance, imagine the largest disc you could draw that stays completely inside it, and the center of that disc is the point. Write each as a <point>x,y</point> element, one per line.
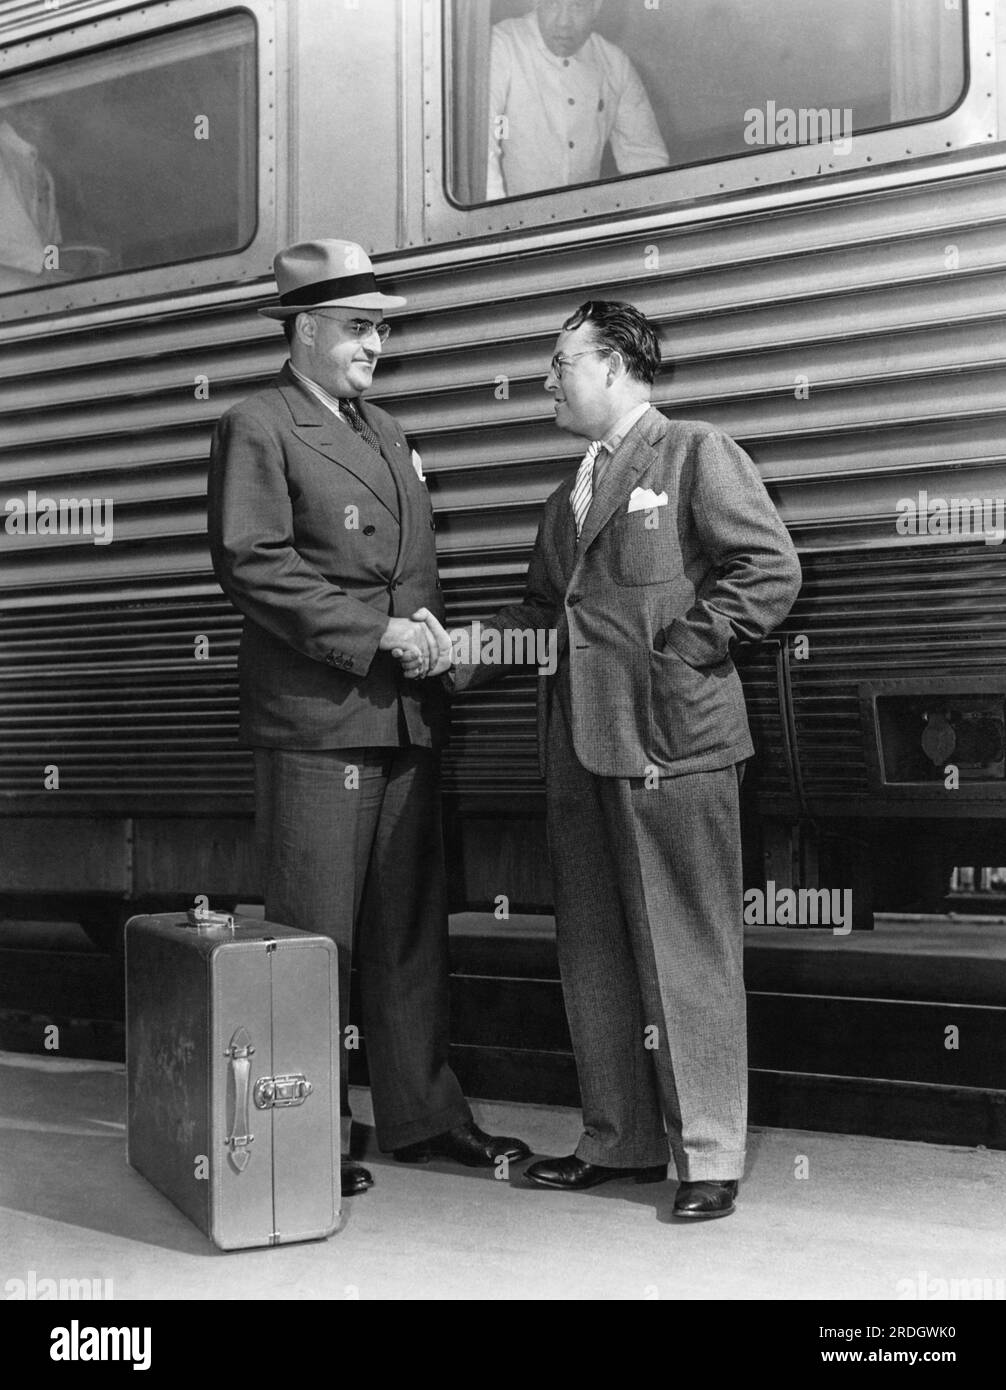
<point>318,542</point>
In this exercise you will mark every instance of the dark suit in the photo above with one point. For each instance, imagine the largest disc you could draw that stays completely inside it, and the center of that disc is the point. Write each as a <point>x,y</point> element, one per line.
<point>642,731</point>
<point>318,540</point>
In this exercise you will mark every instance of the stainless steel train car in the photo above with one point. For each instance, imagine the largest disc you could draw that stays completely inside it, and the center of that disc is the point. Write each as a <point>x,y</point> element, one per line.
<point>823,245</point>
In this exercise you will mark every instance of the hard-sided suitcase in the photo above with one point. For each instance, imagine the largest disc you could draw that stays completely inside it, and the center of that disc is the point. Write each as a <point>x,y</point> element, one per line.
<point>232,1073</point>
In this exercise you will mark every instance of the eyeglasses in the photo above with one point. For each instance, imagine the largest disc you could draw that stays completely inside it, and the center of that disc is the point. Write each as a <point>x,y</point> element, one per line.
<point>360,328</point>
<point>558,364</point>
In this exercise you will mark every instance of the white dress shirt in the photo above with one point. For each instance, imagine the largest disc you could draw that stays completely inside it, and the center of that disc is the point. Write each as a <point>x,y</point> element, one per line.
<point>613,439</point>
<point>332,404</point>
<point>318,392</point>
<point>557,114</point>
<point>28,219</point>
<point>621,428</point>
<point>598,456</point>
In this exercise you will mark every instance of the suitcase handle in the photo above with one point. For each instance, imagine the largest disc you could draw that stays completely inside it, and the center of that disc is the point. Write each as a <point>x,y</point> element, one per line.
<point>240,1054</point>
<point>205,919</point>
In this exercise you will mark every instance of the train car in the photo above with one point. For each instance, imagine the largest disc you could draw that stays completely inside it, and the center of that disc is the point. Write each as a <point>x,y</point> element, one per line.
<point>822,240</point>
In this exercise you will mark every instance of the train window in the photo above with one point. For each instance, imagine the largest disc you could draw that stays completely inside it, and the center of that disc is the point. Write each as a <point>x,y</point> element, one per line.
<point>549,94</point>
<point>128,157</point>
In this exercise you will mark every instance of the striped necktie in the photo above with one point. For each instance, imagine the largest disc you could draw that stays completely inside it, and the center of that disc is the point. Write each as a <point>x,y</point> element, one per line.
<point>583,489</point>
<point>356,421</point>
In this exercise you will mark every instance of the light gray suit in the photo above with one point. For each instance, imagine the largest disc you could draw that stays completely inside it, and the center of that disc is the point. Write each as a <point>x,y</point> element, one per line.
<point>642,731</point>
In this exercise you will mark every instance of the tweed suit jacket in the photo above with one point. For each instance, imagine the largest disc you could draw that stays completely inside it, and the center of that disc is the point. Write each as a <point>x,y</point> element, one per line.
<point>318,542</point>
<point>648,602</point>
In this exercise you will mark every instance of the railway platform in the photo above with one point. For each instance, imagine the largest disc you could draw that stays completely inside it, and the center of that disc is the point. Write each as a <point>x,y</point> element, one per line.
<point>820,1216</point>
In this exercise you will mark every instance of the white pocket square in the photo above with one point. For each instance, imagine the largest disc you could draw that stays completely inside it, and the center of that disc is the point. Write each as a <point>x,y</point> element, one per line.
<point>643,498</point>
<point>417,464</point>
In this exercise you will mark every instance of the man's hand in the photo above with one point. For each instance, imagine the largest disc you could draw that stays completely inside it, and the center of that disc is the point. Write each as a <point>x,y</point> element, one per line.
<point>412,643</point>
<point>419,643</point>
<point>445,648</point>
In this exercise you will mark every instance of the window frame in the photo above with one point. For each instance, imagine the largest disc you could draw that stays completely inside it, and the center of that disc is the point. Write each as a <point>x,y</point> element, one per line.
<point>970,127</point>
<point>112,28</point>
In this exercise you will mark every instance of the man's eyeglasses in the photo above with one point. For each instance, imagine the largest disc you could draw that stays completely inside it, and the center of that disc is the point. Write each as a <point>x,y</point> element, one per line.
<point>361,328</point>
<point>558,363</point>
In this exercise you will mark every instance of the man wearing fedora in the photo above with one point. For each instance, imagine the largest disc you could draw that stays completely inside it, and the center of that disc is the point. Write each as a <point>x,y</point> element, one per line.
<point>321,531</point>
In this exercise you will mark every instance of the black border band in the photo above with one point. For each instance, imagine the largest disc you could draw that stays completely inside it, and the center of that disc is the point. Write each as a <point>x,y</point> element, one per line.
<point>331,289</point>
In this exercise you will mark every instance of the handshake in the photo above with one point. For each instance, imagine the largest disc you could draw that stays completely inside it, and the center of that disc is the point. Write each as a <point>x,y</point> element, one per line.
<point>421,645</point>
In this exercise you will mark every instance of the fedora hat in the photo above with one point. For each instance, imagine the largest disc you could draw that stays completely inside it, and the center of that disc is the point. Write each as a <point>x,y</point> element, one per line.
<point>323,275</point>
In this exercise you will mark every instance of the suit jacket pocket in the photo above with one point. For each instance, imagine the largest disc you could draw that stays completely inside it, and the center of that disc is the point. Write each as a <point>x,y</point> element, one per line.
<point>693,712</point>
<point>641,554</point>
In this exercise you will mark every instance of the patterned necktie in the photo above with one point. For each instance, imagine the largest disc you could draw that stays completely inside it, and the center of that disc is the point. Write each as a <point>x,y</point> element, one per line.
<point>583,489</point>
<point>356,421</point>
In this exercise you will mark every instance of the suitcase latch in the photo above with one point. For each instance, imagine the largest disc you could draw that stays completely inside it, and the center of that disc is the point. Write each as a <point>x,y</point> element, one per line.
<point>275,1092</point>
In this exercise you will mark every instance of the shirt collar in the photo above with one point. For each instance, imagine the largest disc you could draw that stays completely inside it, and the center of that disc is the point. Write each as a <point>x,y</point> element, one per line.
<point>318,392</point>
<point>617,433</point>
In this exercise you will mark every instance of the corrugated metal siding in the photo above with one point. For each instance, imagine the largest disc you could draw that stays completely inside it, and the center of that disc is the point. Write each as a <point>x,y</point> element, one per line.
<point>124,702</point>
<point>22,15</point>
<point>904,358</point>
<point>908,615</point>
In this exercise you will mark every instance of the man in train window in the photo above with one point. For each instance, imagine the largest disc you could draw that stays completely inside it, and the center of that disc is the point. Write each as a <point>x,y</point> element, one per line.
<point>660,552</point>
<point>321,531</point>
<point>558,94</point>
<point>29,222</point>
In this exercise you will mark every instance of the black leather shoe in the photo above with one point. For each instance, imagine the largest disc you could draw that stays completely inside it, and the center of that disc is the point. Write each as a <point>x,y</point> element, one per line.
<point>573,1174</point>
<point>355,1179</point>
<point>465,1144</point>
<point>704,1201</point>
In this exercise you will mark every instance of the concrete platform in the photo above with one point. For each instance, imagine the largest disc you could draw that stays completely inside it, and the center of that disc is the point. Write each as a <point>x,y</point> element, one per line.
<point>872,1218</point>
